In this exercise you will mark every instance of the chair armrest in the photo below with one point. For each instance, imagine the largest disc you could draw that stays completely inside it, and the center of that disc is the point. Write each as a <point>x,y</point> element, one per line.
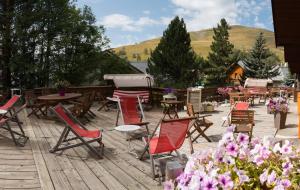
<point>140,123</point>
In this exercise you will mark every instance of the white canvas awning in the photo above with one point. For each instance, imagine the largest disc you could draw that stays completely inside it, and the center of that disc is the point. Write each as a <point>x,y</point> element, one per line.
<point>251,82</point>
<point>130,80</point>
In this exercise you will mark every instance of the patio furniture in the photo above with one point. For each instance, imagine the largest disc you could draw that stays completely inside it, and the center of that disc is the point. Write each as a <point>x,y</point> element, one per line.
<point>127,129</point>
<point>53,99</point>
<point>4,124</point>
<point>170,107</point>
<point>144,96</point>
<point>171,136</point>
<point>131,113</point>
<point>34,104</point>
<point>241,106</point>
<point>72,125</point>
<point>200,125</point>
<point>82,106</point>
<point>243,120</point>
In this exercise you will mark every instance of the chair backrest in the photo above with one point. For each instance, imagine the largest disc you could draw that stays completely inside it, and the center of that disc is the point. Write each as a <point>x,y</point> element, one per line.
<point>190,109</point>
<point>241,106</point>
<point>10,103</point>
<point>174,131</point>
<point>67,118</point>
<point>144,95</point>
<point>129,109</point>
<point>242,117</point>
<point>30,97</point>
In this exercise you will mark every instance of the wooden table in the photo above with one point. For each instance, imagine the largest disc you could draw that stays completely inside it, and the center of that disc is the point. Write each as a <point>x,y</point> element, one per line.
<point>170,107</point>
<point>53,99</point>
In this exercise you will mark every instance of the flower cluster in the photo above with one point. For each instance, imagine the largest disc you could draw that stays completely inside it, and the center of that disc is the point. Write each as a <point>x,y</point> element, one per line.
<point>61,84</point>
<point>224,91</point>
<point>279,105</point>
<point>169,90</point>
<point>239,164</point>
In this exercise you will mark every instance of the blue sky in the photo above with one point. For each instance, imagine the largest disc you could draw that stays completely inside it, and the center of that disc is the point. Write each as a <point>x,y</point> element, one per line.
<point>133,21</point>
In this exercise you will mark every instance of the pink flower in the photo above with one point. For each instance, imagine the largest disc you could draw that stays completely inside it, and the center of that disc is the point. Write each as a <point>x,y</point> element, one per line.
<point>225,181</point>
<point>287,166</point>
<point>242,138</point>
<point>263,177</point>
<point>232,149</point>
<point>209,184</point>
<point>271,178</point>
<point>258,160</point>
<point>286,148</point>
<point>242,176</point>
<point>285,183</point>
<point>168,185</point>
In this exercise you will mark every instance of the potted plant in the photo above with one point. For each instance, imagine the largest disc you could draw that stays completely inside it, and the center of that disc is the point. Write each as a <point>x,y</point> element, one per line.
<point>224,92</point>
<point>279,108</point>
<point>169,94</point>
<point>208,106</point>
<point>239,164</point>
<point>61,86</point>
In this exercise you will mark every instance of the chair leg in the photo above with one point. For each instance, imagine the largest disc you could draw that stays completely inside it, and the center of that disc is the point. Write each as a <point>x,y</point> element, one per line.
<point>61,138</point>
<point>11,133</point>
<point>152,166</point>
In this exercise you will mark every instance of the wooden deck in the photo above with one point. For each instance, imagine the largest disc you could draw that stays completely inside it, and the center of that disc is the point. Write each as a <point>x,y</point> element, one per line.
<point>33,167</point>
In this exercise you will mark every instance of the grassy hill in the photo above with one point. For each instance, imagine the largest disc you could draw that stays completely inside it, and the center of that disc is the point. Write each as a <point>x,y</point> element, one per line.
<point>241,36</point>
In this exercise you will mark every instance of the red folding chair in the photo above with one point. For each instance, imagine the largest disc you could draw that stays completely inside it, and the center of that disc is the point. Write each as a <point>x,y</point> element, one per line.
<point>10,103</point>
<point>5,124</point>
<point>171,137</point>
<point>241,106</point>
<point>74,126</point>
<point>131,111</point>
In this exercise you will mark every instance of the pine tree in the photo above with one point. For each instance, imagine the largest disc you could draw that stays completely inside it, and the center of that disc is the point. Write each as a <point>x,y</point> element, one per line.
<point>173,62</point>
<point>260,62</point>
<point>220,58</point>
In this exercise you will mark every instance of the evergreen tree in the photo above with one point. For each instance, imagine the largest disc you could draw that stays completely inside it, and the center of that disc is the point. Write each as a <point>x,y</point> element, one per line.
<point>260,62</point>
<point>173,63</point>
<point>221,56</point>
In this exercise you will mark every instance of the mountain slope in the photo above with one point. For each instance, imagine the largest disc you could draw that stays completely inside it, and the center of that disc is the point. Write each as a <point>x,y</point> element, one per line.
<point>241,36</point>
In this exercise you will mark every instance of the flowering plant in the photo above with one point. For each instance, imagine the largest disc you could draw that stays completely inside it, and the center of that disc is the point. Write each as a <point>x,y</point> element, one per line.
<point>169,90</point>
<point>224,91</point>
<point>62,84</point>
<point>239,164</point>
<point>279,105</point>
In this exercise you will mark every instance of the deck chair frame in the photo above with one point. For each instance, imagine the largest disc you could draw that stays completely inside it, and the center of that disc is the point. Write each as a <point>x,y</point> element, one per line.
<point>21,141</point>
<point>64,136</point>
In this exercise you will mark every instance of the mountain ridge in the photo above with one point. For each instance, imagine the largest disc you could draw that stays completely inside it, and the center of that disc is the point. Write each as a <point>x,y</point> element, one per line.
<point>243,38</point>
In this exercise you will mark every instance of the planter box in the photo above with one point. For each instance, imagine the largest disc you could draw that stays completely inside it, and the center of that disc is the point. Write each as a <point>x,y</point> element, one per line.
<point>279,120</point>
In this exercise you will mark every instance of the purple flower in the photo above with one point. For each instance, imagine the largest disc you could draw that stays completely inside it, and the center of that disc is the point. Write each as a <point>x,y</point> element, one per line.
<point>168,185</point>
<point>271,178</point>
<point>286,148</point>
<point>285,183</point>
<point>242,138</point>
<point>263,177</point>
<point>209,184</point>
<point>232,149</point>
<point>279,187</point>
<point>225,181</point>
<point>242,176</point>
<point>230,129</point>
<point>184,179</point>
<point>196,180</point>
<point>258,160</point>
<point>287,166</point>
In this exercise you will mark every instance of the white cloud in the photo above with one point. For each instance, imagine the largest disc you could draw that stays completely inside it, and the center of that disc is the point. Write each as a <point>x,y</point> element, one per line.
<point>258,24</point>
<point>127,23</point>
<point>146,12</point>
<point>201,14</point>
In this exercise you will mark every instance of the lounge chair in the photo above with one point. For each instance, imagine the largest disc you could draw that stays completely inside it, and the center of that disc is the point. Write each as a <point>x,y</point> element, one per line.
<point>171,136</point>
<point>4,124</point>
<point>74,126</point>
<point>131,112</point>
<point>241,106</point>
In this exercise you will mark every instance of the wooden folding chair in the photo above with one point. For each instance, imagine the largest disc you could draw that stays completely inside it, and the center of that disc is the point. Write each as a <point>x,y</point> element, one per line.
<point>200,125</point>
<point>244,121</point>
<point>34,105</point>
<point>4,124</point>
<point>79,131</point>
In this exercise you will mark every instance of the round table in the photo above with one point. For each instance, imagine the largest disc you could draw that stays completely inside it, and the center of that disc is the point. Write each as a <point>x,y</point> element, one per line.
<point>128,129</point>
<point>58,98</point>
<point>171,107</point>
<point>53,99</point>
